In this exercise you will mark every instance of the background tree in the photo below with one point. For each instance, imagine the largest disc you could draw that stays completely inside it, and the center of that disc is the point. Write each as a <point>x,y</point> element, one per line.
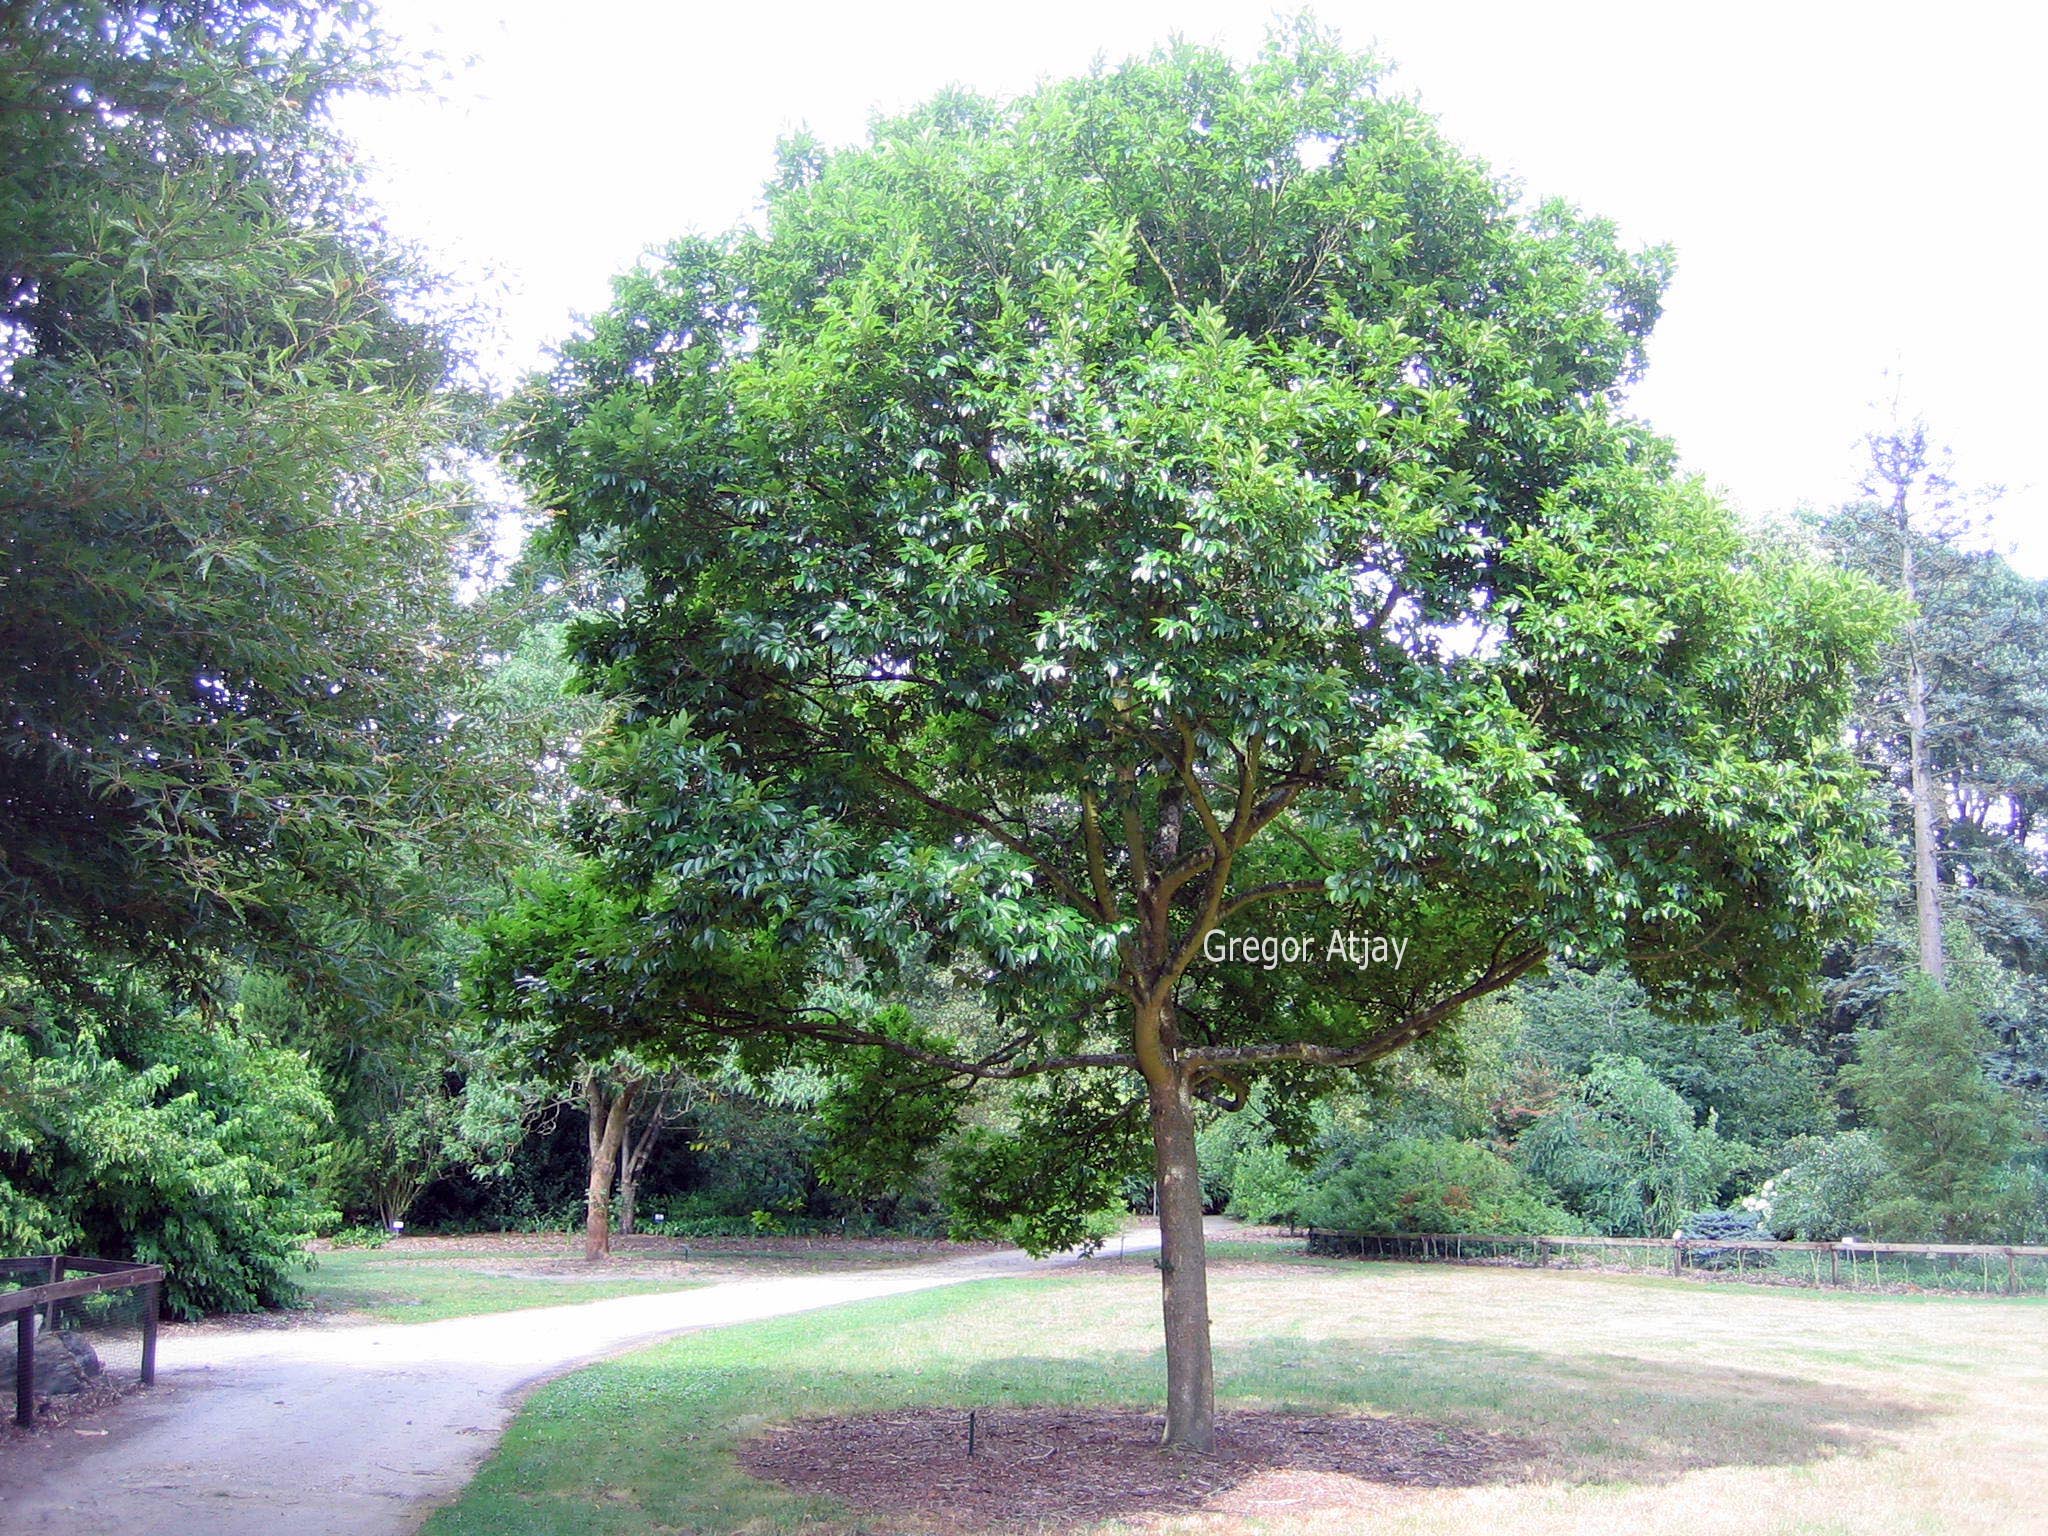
<point>1908,533</point>
<point>1186,501</point>
<point>1624,1152</point>
<point>1945,1130</point>
<point>231,523</point>
<point>229,563</point>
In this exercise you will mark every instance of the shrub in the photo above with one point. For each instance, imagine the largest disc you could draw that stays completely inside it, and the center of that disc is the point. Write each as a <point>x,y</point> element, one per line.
<point>1827,1192</point>
<point>1433,1184</point>
<point>1267,1186</point>
<point>2023,1205</point>
<point>143,1132</point>
<point>1946,1129</point>
<point>1623,1151</point>
<point>1737,1229</point>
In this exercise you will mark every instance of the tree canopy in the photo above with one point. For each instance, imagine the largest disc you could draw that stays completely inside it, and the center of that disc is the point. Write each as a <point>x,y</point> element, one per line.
<point>228,560</point>
<point>233,667</point>
<point>1188,501</point>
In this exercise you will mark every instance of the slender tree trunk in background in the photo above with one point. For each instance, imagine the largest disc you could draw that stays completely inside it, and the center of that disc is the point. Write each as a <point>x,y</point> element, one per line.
<point>1926,868</point>
<point>629,1185</point>
<point>608,1115</point>
<point>634,1152</point>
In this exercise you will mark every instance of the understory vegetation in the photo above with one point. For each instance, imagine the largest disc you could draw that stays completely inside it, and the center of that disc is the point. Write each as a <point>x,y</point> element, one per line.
<point>1572,1107</point>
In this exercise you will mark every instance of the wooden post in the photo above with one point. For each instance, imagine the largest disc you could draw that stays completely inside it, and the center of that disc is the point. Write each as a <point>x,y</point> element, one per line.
<point>1542,1253</point>
<point>1677,1254</point>
<point>25,1366</point>
<point>2012,1274</point>
<point>152,1303</point>
<point>1834,1266</point>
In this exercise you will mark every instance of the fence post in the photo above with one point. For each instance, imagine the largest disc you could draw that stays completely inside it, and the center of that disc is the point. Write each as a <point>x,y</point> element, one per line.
<point>1834,1266</point>
<point>1542,1253</point>
<point>1677,1254</point>
<point>2012,1273</point>
<point>25,1366</point>
<point>152,1300</point>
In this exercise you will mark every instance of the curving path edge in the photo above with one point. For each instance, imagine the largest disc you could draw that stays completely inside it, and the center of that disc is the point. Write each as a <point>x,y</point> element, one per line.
<point>364,1431</point>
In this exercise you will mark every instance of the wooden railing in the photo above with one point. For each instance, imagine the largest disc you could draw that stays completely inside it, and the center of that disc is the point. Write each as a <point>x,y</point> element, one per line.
<point>1452,1246</point>
<point>92,1277</point>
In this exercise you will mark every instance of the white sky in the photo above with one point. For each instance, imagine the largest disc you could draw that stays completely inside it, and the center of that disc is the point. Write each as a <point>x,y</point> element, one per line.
<point>1854,193</point>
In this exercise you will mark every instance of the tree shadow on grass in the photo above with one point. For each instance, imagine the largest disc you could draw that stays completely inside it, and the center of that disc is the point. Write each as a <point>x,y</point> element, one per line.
<point>1412,1413</point>
<point>1596,1417</point>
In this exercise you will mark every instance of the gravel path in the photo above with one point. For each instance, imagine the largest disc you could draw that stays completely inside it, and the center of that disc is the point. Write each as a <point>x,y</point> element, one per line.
<point>363,1431</point>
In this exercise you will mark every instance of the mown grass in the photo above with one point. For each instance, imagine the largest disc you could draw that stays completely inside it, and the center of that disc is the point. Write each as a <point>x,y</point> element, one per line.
<point>402,1286</point>
<point>1654,1405</point>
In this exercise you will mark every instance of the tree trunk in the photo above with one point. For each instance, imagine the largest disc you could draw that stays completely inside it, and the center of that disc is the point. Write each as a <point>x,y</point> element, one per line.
<point>633,1155</point>
<point>629,1185</point>
<point>1183,1271</point>
<point>607,1130</point>
<point>1926,870</point>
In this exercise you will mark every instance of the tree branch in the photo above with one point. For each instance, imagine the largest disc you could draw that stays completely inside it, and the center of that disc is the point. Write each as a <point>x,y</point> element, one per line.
<point>1262,892</point>
<point>1210,1058</point>
<point>1069,893</point>
<point>1098,861</point>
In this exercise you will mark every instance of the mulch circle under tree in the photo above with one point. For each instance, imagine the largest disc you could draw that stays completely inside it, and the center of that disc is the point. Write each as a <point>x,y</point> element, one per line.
<point>1071,1466</point>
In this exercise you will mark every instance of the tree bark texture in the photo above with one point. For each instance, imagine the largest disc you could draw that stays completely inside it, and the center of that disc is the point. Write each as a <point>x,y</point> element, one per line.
<point>1183,1269</point>
<point>608,1111</point>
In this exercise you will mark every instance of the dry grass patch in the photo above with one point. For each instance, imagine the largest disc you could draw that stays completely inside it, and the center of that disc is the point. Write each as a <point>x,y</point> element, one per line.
<point>1644,1405</point>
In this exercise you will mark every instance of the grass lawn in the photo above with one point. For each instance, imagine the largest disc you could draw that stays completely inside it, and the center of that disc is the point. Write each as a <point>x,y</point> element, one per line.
<point>424,1279</point>
<point>414,1287</point>
<point>1654,1405</point>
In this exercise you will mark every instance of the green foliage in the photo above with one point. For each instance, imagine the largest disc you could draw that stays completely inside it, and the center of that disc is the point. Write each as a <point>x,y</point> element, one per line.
<point>2022,1209</point>
<point>1434,1184</point>
<point>1828,1191</point>
<point>1190,498</point>
<point>1000,1180</point>
<point>227,522</point>
<point>1622,1150</point>
<point>1268,1184</point>
<point>361,1237</point>
<point>144,1131</point>
<point>1469,1082</point>
<point>1946,1130</point>
<point>882,1113</point>
<point>1981,638</point>
<point>1760,1086</point>
<point>235,682</point>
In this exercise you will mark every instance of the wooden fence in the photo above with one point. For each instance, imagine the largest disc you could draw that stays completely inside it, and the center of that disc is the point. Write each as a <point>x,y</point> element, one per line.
<point>93,1276</point>
<point>1992,1266</point>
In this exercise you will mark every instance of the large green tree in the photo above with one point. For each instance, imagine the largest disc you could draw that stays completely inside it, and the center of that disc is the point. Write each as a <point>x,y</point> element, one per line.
<point>233,670</point>
<point>1187,504</point>
<point>228,529</point>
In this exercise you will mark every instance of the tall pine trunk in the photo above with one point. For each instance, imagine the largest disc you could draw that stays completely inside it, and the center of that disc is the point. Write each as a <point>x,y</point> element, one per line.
<point>1926,868</point>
